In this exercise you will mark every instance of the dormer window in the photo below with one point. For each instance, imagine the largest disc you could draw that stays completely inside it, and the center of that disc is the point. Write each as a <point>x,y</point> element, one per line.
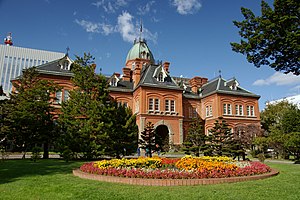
<point>113,82</point>
<point>232,84</point>
<point>65,65</point>
<point>161,77</point>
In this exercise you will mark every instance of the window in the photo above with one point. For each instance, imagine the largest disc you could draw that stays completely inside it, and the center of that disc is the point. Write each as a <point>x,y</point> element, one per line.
<point>66,95</point>
<point>172,106</point>
<point>156,105</point>
<point>167,105</point>
<point>58,96</point>
<point>227,109</point>
<point>239,110</point>
<point>160,77</point>
<point>113,82</point>
<point>150,104</point>
<point>208,111</point>
<point>250,111</point>
<point>66,65</point>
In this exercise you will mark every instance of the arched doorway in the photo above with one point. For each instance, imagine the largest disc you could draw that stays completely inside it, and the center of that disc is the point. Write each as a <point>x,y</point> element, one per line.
<point>162,137</point>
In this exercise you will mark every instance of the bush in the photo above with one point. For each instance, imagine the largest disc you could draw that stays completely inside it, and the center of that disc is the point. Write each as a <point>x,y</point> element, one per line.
<point>261,157</point>
<point>36,153</point>
<point>67,155</point>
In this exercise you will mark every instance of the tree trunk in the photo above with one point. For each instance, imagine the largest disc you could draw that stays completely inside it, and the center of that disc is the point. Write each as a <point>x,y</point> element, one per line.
<point>46,151</point>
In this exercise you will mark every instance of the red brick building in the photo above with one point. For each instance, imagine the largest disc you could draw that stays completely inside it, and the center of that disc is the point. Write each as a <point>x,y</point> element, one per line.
<point>170,103</point>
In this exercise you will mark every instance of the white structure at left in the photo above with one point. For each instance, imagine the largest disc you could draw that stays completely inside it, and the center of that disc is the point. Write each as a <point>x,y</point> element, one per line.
<point>14,59</point>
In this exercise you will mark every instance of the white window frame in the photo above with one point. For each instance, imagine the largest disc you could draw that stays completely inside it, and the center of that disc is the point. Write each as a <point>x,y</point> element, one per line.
<point>156,104</point>
<point>167,105</point>
<point>151,104</point>
<point>172,106</point>
<point>58,96</point>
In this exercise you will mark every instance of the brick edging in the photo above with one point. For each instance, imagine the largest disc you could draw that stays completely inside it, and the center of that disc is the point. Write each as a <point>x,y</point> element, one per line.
<point>170,182</point>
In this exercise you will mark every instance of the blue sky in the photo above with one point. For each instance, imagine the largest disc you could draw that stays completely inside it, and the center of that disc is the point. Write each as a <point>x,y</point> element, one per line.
<point>193,35</point>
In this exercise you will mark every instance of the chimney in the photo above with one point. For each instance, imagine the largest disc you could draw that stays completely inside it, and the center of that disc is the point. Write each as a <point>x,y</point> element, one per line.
<point>136,74</point>
<point>126,74</point>
<point>197,83</point>
<point>166,66</point>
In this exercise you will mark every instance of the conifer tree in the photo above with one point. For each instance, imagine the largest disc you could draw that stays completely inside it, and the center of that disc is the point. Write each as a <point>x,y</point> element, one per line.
<point>91,122</point>
<point>195,141</point>
<point>29,120</point>
<point>221,140</point>
<point>84,115</point>
<point>147,141</point>
<point>122,138</point>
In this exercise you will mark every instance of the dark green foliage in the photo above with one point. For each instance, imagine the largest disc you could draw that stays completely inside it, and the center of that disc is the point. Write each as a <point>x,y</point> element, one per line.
<point>272,38</point>
<point>1,91</point>
<point>195,141</point>
<point>123,133</point>
<point>220,140</point>
<point>147,141</point>
<point>91,123</point>
<point>28,118</point>
<point>83,116</point>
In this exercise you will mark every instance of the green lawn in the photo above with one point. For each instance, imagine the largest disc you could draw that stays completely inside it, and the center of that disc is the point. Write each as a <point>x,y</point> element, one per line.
<point>53,179</point>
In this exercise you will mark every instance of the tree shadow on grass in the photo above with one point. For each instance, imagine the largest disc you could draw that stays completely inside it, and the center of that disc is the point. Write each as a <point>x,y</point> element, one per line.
<point>12,170</point>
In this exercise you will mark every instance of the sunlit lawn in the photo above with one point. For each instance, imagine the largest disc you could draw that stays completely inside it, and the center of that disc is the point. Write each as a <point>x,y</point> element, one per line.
<point>53,179</point>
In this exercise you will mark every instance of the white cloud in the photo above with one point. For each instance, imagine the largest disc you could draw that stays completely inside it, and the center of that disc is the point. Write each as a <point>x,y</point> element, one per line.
<point>107,29</point>
<point>110,6</point>
<point>185,7</point>
<point>88,26</point>
<point>129,31</point>
<point>92,27</point>
<point>126,27</point>
<point>142,10</point>
<point>279,79</point>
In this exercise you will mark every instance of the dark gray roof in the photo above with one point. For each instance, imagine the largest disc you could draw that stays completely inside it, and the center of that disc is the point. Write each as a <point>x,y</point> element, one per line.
<point>220,85</point>
<point>149,75</point>
<point>122,86</point>
<point>54,68</point>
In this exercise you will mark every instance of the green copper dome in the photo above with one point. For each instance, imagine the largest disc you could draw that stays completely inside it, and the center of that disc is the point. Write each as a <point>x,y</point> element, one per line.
<point>140,50</point>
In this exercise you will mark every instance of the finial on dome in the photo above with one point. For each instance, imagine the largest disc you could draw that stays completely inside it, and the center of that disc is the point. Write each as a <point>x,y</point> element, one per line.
<point>141,29</point>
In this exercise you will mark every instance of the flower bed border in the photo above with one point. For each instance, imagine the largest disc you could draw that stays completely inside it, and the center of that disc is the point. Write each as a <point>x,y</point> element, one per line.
<point>171,182</point>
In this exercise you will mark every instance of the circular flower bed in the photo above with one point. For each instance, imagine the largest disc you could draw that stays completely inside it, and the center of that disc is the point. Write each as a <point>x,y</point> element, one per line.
<point>187,167</point>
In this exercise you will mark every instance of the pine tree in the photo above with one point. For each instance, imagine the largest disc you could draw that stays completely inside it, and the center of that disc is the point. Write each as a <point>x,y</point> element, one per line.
<point>195,141</point>
<point>91,122</point>
<point>221,140</point>
<point>124,131</point>
<point>29,119</point>
<point>147,141</point>
<point>84,118</point>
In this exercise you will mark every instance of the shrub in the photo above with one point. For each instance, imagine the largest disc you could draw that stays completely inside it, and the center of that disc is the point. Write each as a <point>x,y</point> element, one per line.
<point>261,157</point>
<point>36,153</point>
<point>67,155</point>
